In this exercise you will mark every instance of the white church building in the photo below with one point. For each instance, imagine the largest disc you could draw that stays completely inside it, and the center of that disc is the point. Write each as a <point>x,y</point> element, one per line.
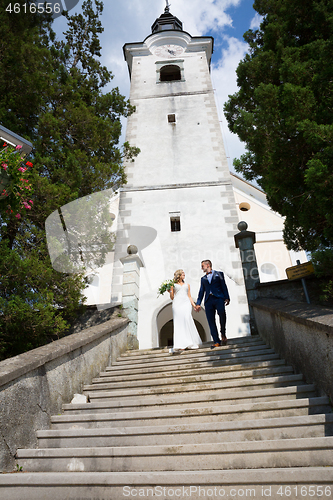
<point>181,204</point>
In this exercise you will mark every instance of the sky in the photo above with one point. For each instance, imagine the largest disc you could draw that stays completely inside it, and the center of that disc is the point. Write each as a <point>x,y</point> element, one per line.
<point>126,21</point>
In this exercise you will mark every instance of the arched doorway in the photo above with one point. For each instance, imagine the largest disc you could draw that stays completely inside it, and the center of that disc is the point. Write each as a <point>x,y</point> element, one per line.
<point>165,326</point>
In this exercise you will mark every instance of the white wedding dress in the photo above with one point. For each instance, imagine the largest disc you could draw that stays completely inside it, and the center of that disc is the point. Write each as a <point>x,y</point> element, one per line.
<point>185,334</point>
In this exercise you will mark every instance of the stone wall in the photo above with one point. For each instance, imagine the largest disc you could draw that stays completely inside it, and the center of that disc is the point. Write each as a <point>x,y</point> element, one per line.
<point>293,290</point>
<point>302,334</point>
<point>35,385</point>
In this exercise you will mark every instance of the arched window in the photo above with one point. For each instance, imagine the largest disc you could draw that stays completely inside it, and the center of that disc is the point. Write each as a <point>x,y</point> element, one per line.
<point>170,73</point>
<point>244,207</point>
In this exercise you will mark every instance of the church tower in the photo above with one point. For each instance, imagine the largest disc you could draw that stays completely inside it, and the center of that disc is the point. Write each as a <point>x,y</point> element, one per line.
<point>178,206</point>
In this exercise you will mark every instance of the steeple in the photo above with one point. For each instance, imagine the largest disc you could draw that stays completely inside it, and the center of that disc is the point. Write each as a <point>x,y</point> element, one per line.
<point>167,21</point>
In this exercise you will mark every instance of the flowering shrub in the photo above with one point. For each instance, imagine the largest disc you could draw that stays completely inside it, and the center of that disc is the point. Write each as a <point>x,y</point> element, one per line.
<point>15,188</point>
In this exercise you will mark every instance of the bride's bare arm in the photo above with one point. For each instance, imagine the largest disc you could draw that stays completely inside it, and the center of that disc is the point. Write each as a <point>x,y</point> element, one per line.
<point>172,292</point>
<point>189,296</point>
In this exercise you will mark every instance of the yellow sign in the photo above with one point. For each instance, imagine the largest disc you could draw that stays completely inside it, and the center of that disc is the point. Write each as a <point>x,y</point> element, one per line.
<point>300,271</point>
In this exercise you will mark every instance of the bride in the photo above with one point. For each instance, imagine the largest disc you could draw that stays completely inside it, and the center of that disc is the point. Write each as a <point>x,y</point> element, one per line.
<point>185,334</point>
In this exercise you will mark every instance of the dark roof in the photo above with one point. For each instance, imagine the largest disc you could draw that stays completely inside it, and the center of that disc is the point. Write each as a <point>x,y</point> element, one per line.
<point>167,22</point>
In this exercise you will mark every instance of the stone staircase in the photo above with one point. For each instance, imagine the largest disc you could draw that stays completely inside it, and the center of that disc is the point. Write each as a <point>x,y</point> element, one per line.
<point>234,422</point>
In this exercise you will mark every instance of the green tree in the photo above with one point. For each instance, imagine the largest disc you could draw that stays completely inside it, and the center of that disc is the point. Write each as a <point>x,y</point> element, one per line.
<point>25,65</point>
<point>283,112</point>
<point>323,263</point>
<point>75,129</point>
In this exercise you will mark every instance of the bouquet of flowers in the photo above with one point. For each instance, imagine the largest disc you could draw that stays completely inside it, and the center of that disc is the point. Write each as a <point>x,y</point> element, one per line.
<point>165,287</point>
<point>15,188</point>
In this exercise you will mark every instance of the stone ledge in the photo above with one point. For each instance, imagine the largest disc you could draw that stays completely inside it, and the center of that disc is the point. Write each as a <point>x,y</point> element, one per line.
<point>307,314</point>
<point>219,183</point>
<point>12,368</point>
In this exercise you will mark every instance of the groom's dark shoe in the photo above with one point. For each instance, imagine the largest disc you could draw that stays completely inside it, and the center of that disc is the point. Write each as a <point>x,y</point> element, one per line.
<point>224,340</point>
<point>215,345</point>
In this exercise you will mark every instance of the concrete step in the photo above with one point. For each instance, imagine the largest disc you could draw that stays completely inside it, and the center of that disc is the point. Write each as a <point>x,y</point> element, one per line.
<point>247,384</point>
<point>206,414</point>
<point>239,341</point>
<point>216,432</point>
<point>186,360</point>
<point>292,483</point>
<point>218,367</point>
<point>180,363</point>
<point>232,342</point>
<point>306,452</point>
<point>185,421</point>
<point>194,367</point>
<point>189,356</point>
<point>197,379</point>
<point>189,400</point>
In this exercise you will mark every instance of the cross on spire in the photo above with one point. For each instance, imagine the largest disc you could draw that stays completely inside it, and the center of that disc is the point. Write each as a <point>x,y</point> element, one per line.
<point>167,21</point>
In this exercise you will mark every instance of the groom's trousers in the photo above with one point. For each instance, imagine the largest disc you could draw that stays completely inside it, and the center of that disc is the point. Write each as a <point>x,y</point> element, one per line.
<point>213,305</point>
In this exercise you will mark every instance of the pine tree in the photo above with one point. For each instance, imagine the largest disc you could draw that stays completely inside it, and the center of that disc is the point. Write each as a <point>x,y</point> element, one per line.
<point>283,112</point>
<point>55,99</point>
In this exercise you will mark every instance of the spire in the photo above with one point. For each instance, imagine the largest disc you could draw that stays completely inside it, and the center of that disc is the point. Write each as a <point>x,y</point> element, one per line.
<point>167,21</point>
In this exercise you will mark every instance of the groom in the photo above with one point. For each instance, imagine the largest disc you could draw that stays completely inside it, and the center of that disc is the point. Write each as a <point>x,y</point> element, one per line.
<point>216,298</point>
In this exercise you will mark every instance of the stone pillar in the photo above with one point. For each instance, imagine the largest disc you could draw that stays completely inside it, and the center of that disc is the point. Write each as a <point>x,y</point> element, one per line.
<point>131,282</point>
<point>245,242</point>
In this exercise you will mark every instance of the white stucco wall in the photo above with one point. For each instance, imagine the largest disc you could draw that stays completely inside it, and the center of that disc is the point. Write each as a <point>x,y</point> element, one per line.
<point>203,235</point>
<point>272,255</point>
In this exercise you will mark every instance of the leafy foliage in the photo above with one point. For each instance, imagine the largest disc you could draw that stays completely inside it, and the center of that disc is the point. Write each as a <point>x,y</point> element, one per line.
<point>35,301</point>
<point>15,188</point>
<point>283,112</point>
<point>322,259</point>
<point>26,68</point>
<point>51,93</point>
<point>165,287</point>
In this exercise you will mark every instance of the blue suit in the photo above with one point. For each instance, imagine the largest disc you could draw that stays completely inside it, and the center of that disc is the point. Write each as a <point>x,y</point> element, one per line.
<point>215,293</point>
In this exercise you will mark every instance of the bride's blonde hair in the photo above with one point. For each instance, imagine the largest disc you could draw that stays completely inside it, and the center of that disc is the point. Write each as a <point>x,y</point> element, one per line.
<point>177,275</point>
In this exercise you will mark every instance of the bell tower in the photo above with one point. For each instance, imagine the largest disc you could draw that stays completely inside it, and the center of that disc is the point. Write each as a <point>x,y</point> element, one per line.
<point>178,206</point>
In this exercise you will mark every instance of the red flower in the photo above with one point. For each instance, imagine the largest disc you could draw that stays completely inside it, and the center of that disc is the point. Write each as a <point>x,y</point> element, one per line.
<point>29,164</point>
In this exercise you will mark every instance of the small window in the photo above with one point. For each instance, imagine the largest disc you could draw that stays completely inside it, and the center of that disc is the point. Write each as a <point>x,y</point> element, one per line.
<point>244,207</point>
<point>166,27</point>
<point>172,118</point>
<point>175,224</point>
<point>170,73</point>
